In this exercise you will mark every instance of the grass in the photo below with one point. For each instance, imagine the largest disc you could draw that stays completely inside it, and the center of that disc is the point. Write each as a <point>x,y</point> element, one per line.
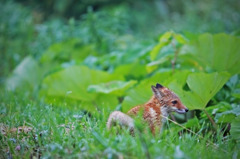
<point>64,131</point>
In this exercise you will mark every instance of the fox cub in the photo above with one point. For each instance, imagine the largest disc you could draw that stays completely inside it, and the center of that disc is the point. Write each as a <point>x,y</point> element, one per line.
<point>163,102</point>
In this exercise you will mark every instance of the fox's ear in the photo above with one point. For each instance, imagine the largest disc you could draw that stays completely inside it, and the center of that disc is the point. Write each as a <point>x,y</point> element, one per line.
<point>159,85</point>
<point>157,92</point>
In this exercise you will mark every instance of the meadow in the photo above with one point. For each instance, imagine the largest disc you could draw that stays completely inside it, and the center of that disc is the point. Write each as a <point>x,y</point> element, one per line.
<point>63,71</point>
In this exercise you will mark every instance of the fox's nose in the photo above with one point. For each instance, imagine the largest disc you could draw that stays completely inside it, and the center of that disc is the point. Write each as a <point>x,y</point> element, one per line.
<point>186,110</point>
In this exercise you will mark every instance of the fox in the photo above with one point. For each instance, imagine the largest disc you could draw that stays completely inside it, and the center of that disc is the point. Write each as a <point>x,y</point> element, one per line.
<point>154,112</point>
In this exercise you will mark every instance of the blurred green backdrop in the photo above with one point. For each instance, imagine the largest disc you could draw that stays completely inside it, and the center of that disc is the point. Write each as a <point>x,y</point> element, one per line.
<point>75,61</point>
<point>29,27</point>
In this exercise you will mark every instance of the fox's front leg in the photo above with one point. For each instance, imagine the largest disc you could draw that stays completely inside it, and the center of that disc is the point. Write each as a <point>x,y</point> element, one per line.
<point>120,118</point>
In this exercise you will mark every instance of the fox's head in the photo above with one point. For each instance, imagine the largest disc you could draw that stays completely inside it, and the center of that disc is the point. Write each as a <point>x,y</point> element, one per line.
<point>170,102</point>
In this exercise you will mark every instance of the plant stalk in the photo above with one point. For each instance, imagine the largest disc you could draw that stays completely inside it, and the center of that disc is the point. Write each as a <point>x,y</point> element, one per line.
<point>211,120</point>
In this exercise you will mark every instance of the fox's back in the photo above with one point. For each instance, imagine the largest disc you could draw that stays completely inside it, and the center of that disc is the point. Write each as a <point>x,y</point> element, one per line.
<point>151,112</point>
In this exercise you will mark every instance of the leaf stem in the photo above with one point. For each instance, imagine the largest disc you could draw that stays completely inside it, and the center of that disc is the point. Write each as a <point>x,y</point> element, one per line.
<point>211,120</point>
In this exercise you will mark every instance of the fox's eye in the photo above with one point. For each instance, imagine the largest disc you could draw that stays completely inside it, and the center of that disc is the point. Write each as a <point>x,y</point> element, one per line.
<point>174,102</point>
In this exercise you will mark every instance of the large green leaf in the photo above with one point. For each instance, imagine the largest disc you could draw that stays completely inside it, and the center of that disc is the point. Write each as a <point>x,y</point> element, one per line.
<point>203,87</point>
<point>220,52</point>
<point>74,81</point>
<point>26,75</point>
<point>132,70</point>
<point>142,92</point>
<point>113,87</point>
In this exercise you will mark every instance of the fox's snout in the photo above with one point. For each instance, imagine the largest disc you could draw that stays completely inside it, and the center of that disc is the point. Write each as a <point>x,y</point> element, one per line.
<point>181,109</point>
<point>184,108</point>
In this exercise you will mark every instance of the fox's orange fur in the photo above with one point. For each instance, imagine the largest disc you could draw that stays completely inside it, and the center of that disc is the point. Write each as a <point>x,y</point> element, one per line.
<point>161,104</point>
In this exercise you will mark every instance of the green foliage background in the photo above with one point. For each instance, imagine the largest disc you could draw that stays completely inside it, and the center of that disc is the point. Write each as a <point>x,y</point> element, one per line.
<point>72,63</point>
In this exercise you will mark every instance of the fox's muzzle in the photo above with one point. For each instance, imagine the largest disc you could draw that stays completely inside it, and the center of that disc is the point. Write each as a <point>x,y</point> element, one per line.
<point>181,111</point>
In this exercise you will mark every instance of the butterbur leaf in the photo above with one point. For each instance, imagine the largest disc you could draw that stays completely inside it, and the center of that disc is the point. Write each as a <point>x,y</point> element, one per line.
<point>75,80</point>
<point>26,75</point>
<point>133,70</point>
<point>113,87</point>
<point>203,87</point>
<point>106,101</point>
<point>220,52</point>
